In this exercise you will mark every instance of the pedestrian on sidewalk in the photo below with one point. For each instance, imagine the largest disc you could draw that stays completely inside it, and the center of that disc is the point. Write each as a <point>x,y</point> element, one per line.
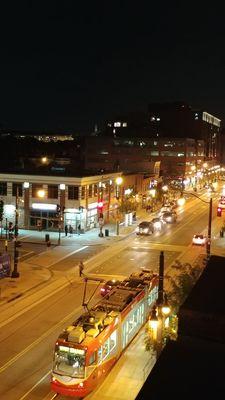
<point>78,229</point>
<point>81,268</point>
<point>66,230</point>
<point>71,230</point>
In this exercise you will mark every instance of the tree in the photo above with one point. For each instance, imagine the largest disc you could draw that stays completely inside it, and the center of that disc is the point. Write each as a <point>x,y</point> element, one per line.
<point>180,282</point>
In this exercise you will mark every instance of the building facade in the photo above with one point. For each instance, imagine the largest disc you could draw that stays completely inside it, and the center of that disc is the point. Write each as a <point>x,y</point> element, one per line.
<point>47,201</point>
<point>50,202</point>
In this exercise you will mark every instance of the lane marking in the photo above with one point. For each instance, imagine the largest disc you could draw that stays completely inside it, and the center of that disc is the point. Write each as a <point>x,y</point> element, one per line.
<point>59,259</point>
<point>34,387</point>
<point>37,341</point>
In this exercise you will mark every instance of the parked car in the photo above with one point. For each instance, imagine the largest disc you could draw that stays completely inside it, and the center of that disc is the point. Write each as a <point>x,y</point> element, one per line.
<point>145,228</point>
<point>169,217</point>
<point>105,289</point>
<point>199,240</point>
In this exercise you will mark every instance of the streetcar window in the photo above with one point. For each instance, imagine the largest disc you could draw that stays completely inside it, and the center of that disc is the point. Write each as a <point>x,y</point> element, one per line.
<point>100,354</point>
<point>112,341</point>
<point>69,362</point>
<point>107,347</point>
<point>92,359</point>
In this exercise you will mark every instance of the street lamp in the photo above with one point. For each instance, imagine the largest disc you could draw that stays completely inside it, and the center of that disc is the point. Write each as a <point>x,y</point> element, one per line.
<point>60,209</point>
<point>181,201</point>
<point>119,181</point>
<point>159,312</point>
<point>15,273</point>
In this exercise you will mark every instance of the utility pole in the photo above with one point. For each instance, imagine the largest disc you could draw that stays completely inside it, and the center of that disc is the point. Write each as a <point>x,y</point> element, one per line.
<point>208,247</point>
<point>15,273</point>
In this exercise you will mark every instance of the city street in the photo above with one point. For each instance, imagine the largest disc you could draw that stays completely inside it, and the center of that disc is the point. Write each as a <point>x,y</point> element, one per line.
<point>27,339</point>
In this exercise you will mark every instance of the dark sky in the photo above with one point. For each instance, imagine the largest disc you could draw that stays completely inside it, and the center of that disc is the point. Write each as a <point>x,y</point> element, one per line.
<point>70,64</point>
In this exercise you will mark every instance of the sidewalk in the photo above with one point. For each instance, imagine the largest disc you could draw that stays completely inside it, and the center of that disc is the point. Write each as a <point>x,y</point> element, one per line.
<point>35,272</point>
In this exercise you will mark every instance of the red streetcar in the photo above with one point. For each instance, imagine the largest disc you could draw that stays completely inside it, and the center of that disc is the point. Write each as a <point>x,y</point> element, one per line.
<point>87,350</point>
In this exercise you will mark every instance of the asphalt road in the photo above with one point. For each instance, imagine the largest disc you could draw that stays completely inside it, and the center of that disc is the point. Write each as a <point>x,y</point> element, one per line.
<point>27,342</point>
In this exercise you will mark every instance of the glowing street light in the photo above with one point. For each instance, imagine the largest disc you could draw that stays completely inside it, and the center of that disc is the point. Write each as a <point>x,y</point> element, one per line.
<point>41,193</point>
<point>44,160</point>
<point>119,180</point>
<point>181,201</point>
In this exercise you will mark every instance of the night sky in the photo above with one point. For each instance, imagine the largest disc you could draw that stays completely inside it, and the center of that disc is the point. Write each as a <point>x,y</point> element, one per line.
<point>68,65</point>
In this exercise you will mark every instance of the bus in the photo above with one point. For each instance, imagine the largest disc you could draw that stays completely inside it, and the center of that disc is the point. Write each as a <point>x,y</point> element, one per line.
<point>86,350</point>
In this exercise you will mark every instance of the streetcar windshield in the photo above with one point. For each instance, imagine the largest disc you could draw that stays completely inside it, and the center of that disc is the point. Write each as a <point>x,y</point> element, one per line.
<point>69,361</point>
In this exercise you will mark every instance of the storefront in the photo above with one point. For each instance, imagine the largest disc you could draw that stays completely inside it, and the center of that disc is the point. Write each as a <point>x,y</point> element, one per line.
<point>44,216</point>
<point>74,218</point>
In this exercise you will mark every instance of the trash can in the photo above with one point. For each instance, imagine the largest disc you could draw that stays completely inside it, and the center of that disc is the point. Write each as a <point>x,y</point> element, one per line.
<point>106,232</point>
<point>47,237</point>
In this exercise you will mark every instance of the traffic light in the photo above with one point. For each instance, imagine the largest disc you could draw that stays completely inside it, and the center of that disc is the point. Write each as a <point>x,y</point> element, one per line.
<point>219,211</point>
<point>58,208</point>
<point>1,209</point>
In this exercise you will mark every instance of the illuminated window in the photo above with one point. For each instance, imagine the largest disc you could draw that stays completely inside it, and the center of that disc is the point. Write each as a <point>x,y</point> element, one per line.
<point>124,124</point>
<point>117,124</point>
<point>171,154</point>
<point>168,144</point>
<point>152,118</point>
<point>154,153</point>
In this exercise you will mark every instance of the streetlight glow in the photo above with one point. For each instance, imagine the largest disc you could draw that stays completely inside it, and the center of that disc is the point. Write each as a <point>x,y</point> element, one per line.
<point>181,201</point>
<point>41,193</point>
<point>119,180</point>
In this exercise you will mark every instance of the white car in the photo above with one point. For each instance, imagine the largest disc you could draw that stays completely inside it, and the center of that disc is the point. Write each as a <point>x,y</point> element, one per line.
<point>199,240</point>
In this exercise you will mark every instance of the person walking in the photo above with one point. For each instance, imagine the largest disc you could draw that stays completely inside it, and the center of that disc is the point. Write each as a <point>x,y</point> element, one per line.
<point>66,230</point>
<point>71,230</point>
<point>81,268</point>
<point>78,229</point>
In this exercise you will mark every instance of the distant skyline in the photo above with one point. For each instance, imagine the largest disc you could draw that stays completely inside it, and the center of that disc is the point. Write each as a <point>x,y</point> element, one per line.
<point>68,66</point>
